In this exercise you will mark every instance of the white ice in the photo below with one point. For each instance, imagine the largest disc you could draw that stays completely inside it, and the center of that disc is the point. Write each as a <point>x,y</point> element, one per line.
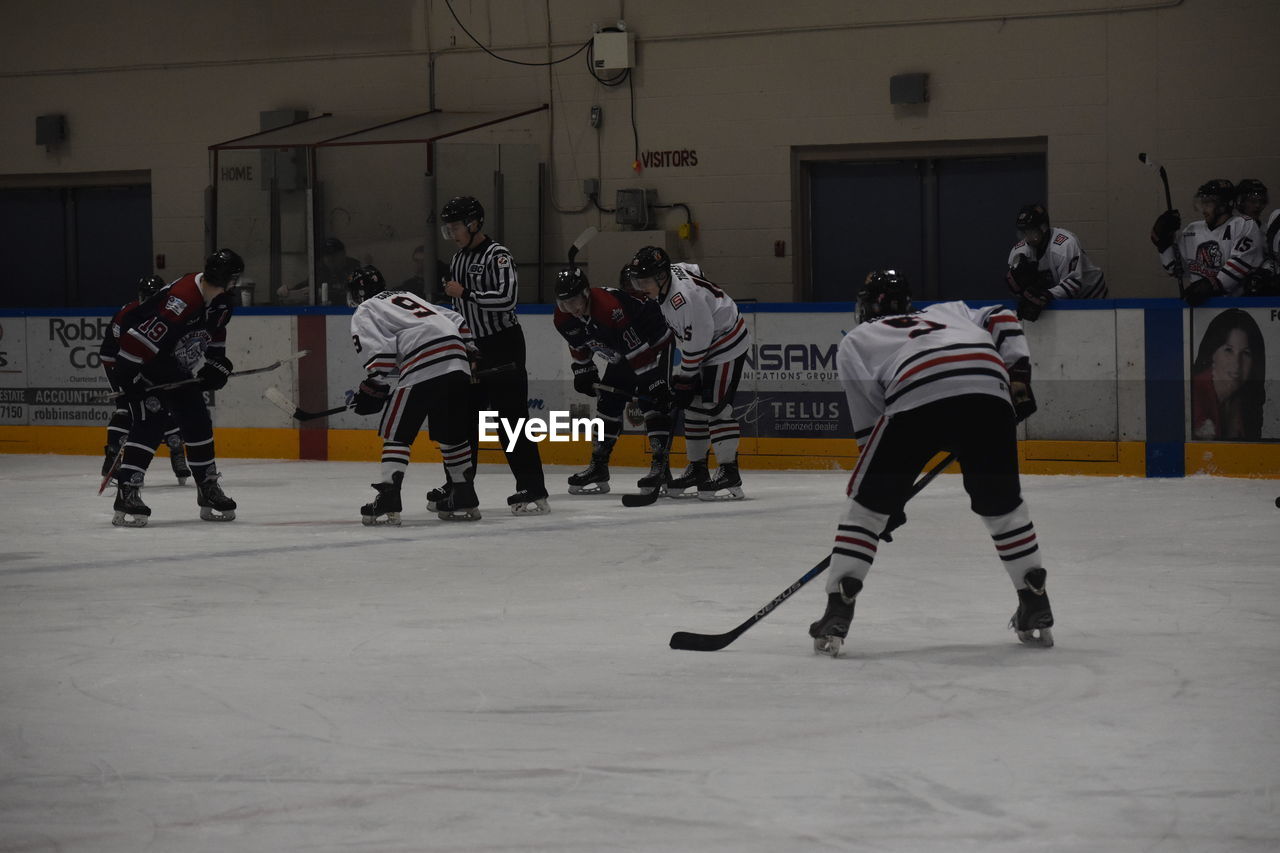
<point>295,681</point>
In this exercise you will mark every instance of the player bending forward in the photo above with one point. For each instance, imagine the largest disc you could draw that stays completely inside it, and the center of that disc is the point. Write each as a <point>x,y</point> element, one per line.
<point>714,341</point>
<point>426,348</point>
<point>630,335</point>
<point>919,383</point>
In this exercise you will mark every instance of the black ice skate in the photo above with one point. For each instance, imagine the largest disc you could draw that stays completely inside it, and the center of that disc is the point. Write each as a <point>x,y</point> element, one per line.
<point>1033,618</point>
<point>592,480</point>
<point>111,453</point>
<point>529,502</point>
<point>130,511</point>
<point>214,504</point>
<point>385,507</point>
<point>695,474</point>
<point>726,479</point>
<point>460,504</point>
<point>178,458</point>
<point>436,495</point>
<point>829,632</point>
<point>659,477</point>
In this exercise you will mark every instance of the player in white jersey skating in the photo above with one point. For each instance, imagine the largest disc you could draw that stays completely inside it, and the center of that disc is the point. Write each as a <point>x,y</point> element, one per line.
<point>1213,256</point>
<point>1049,263</point>
<point>1251,200</point>
<point>713,340</point>
<point>947,378</point>
<point>426,349</point>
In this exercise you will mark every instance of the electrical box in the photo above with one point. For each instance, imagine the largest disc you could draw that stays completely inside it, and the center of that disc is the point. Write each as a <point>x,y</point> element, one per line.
<point>909,89</point>
<point>51,130</point>
<point>633,207</point>
<point>611,51</point>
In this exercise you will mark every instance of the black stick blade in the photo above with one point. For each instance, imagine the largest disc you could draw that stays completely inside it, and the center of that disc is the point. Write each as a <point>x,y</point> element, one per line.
<point>686,641</point>
<point>642,499</point>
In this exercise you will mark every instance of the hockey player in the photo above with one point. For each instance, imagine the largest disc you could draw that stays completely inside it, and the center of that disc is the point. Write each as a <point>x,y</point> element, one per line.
<point>163,341</point>
<point>425,347</point>
<point>946,378</point>
<point>118,426</point>
<point>713,340</point>
<point>1215,255</point>
<point>1049,263</point>
<point>634,340</point>
<point>484,288</point>
<point>1251,201</point>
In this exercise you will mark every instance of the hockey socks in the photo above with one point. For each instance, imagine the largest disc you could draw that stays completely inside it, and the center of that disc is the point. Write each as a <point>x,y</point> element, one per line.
<point>1014,537</point>
<point>854,549</point>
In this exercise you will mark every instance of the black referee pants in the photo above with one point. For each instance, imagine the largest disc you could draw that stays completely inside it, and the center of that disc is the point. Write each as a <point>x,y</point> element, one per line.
<point>507,393</point>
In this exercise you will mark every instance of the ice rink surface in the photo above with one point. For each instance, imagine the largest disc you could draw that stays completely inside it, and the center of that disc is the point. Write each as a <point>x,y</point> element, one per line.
<point>295,681</point>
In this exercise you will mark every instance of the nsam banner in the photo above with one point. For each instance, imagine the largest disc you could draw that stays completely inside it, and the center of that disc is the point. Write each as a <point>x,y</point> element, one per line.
<point>790,384</point>
<point>1234,374</point>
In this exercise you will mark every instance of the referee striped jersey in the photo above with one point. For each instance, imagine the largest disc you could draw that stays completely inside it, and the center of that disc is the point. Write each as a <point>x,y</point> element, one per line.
<point>488,272</point>
<point>902,361</point>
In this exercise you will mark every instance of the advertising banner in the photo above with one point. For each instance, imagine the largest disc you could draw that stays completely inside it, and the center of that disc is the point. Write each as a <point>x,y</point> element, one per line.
<point>64,373</point>
<point>1234,374</point>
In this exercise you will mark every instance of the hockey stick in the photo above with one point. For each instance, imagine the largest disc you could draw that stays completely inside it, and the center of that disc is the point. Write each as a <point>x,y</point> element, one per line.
<point>1168,206</point>
<point>579,244</point>
<point>689,641</point>
<point>111,472</point>
<point>182,383</point>
<point>276,396</point>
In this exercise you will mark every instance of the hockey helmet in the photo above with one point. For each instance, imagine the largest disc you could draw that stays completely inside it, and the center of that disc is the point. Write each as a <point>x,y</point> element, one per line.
<point>465,209</point>
<point>573,291</point>
<point>223,267</point>
<point>149,286</point>
<point>1216,198</point>
<point>1251,197</point>
<point>650,271</point>
<point>883,293</point>
<point>333,246</point>
<point>1033,225</point>
<point>365,282</point>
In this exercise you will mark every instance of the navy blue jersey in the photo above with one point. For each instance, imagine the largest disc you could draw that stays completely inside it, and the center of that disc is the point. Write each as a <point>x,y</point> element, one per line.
<point>619,327</point>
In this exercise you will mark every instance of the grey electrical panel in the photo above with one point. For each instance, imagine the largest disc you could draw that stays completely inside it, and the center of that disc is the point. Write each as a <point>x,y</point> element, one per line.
<point>633,207</point>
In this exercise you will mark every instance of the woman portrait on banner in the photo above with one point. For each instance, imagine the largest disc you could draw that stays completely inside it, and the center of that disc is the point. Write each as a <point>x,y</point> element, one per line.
<point>1227,376</point>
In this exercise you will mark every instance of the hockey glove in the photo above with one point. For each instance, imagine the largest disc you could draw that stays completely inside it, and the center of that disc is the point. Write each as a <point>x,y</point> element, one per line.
<point>1200,290</point>
<point>1024,276</point>
<point>585,377</point>
<point>213,376</point>
<point>1031,303</point>
<point>895,521</point>
<point>658,392</point>
<point>683,390</point>
<point>1165,229</point>
<point>371,397</point>
<point>1024,402</point>
<point>131,385</point>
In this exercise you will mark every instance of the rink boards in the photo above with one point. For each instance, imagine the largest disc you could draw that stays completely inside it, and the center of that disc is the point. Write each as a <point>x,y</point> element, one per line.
<point>1111,381</point>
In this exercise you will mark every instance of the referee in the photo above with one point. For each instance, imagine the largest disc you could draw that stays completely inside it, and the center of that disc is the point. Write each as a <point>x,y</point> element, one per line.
<point>482,283</point>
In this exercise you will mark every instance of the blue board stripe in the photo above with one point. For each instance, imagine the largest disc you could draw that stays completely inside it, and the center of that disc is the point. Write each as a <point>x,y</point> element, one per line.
<point>1166,416</point>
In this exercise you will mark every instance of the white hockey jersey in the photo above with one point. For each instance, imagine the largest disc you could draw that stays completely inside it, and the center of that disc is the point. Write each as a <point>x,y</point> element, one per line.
<point>1271,242</point>
<point>707,326</point>
<point>1225,255</point>
<point>902,361</point>
<point>403,336</point>
<point>1066,269</point>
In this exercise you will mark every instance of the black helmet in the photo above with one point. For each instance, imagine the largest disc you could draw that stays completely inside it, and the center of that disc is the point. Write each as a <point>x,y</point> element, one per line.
<point>149,286</point>
<point>1031,217</point>
<point>365,282</point>
<point>462,208</point>
<point>1254,189</point>
<point>884,292</point>
<point>223,267</point>
<point>649,262</point>
<point>570,282</point>
<point>333,246</point>
<point>1219,190</point>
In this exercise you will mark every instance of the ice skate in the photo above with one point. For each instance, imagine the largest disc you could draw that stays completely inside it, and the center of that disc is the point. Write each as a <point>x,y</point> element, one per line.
<point>214,504</point>
<point>460,504</point>
<point>829,632</point>
<point>436,495</point>
<point>529,502</point>
<point>110,453</point>
<point>695,474</point>
<point>130,511</point>
<point>385,507</point>
<point>178,458</point>
<point>592,480</point>
<point>1033,618</point>
<point>726,479</point>
<point>659,477</point>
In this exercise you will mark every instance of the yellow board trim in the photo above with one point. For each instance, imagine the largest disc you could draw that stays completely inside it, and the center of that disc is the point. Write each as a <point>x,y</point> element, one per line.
<point>1097,458</point>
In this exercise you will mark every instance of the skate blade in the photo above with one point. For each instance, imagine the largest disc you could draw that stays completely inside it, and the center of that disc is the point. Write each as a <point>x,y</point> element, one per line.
<point>600,489</point>
<point>208,513</point>
<point>827,646</point>
<point>391,519</point>
<point>1039,637</point>
<point>734,494</point>
<point>538,507</point>
<point>182,481</point>
<point>460,515</point>
<point>122,519</point>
